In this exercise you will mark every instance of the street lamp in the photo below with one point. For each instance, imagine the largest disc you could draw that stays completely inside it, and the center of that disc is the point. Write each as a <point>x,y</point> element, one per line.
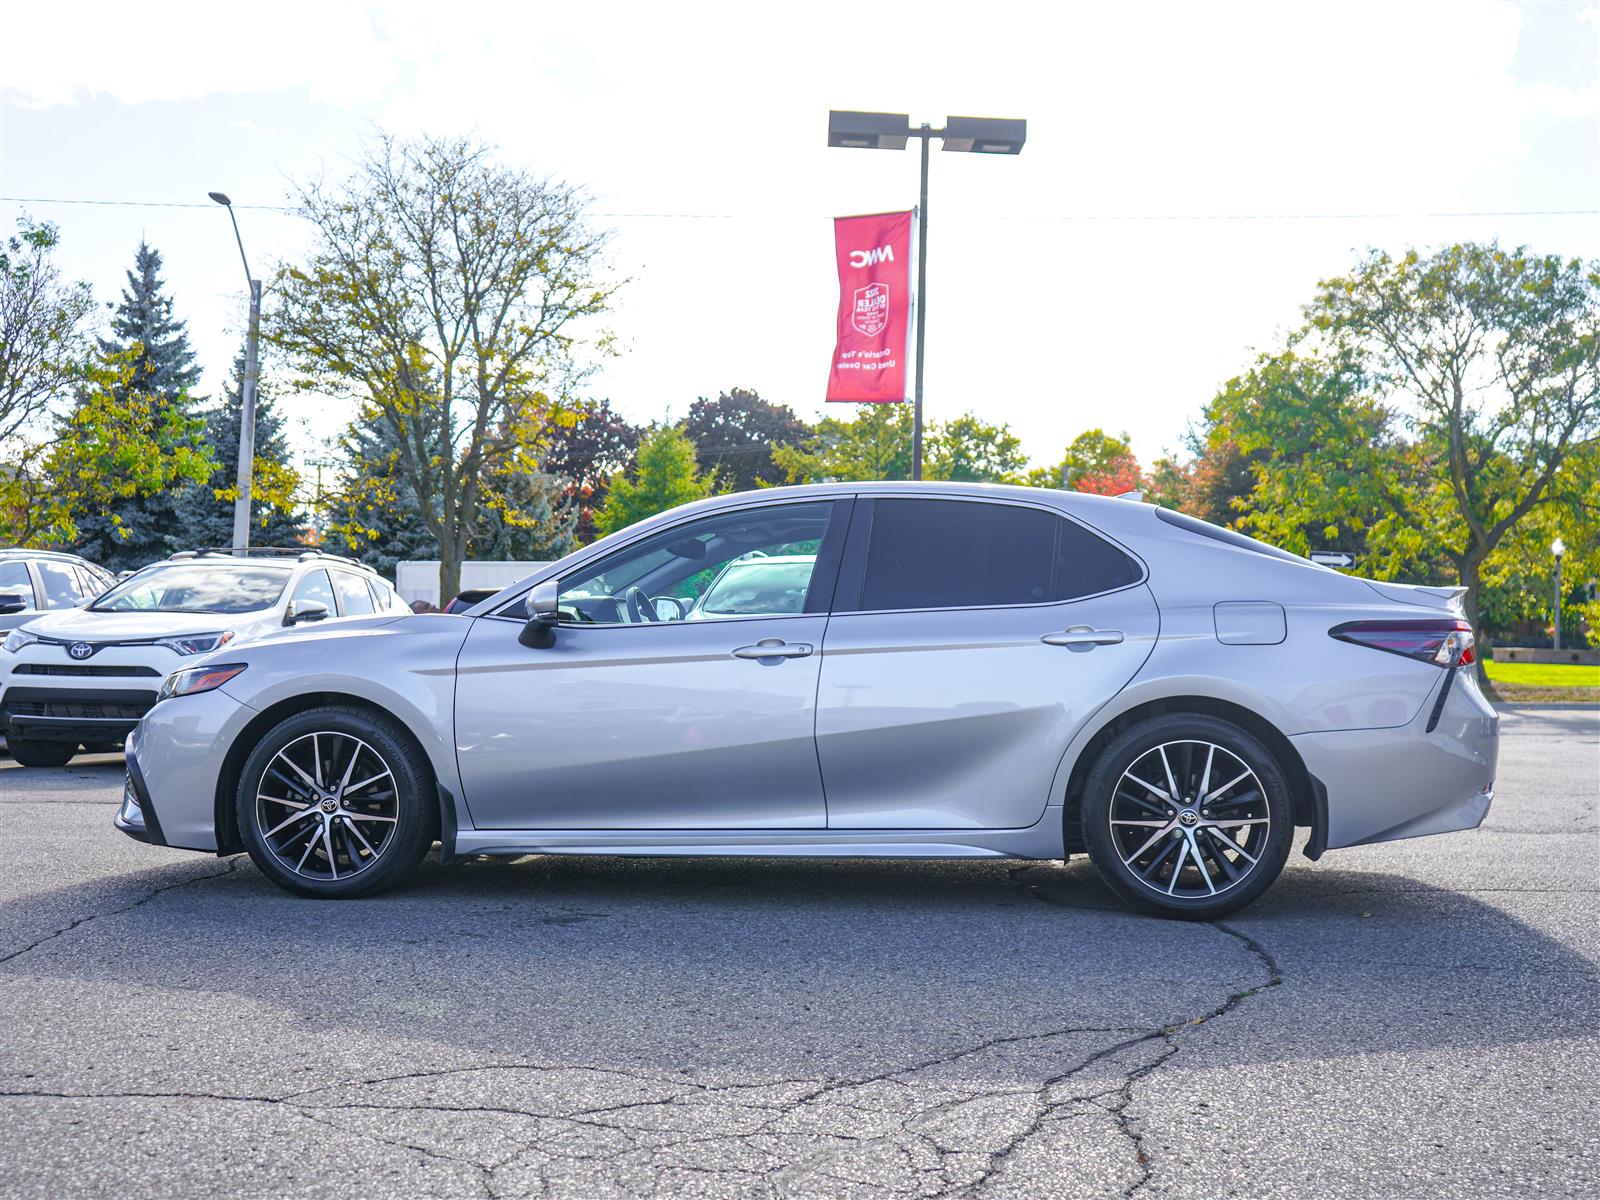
<point>247,412</point>
<point>889,131</point>
<point>1558,548</point>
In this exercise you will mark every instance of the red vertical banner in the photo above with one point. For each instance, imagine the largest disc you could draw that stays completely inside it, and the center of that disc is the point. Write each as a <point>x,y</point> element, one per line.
<point>869,356</point>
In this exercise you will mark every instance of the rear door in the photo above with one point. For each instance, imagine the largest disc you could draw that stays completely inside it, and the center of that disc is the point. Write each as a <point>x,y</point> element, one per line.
<point>970,640</point>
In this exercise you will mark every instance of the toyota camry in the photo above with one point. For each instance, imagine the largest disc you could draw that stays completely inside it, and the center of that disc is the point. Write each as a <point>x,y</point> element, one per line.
<point>893,670</point>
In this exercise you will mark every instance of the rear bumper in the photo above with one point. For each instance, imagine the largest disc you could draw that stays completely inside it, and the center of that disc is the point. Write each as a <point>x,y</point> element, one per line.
<point>1386,784</point>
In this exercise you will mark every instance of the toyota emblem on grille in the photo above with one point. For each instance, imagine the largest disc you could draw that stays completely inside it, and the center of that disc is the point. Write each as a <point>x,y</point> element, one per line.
<point>80,649</point>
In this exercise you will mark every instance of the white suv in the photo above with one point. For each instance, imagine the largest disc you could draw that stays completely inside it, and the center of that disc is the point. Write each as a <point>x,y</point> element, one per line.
<point>85,676</point>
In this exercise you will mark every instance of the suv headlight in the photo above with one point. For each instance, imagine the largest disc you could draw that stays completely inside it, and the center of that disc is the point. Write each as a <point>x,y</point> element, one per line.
<point>196,643</point>
<point>17,639</point>
<point>198,679</point>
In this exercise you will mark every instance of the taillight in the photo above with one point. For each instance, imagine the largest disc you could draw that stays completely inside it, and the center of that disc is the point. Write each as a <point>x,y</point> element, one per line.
<point>1444,641</point>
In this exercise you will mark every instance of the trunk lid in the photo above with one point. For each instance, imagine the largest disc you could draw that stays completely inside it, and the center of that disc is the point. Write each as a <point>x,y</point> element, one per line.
<point>1440,599</point>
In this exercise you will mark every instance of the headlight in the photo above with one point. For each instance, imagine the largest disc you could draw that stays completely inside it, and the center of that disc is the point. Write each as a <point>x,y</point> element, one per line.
<point>17,639</point>
<point>196,643</point>
<point>198,679</point>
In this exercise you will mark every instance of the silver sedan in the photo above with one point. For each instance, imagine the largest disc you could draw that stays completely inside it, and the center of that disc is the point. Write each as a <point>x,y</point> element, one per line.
<point>919,670</point>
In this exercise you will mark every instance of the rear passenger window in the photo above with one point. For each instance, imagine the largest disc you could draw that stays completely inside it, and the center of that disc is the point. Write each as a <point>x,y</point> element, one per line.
<point>971,554</point>
<point>354,599</point>
<point>1086,564</point>
<point>61,586</point>
<point>957,554</point>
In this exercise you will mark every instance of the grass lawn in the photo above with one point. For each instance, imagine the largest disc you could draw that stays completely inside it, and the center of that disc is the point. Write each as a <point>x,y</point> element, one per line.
<point>1545,683</point>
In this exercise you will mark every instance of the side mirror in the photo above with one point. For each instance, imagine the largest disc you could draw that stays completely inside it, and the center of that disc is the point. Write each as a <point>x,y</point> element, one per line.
<point>12,602</point>
<point>543,615</point>
<point>306,610</point>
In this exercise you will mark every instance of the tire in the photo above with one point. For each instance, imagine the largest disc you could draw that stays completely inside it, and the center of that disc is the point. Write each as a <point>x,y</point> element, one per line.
<point>347,844</point>
<point>41,752</point>
<point>1199,858</point>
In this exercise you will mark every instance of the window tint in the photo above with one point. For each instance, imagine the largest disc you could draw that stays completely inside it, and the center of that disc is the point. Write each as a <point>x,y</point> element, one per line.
<point>958,554</point>
<point>14,581</point>
<point>971,554</point>
<point>315,587</point>
<point>354,598</point>
<point>61,586</point>
<point>720,567</point>
<point>1086,564</point>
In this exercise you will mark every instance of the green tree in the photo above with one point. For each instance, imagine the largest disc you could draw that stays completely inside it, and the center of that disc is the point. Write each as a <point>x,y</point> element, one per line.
<point>206,509</point>
<point>735,435</point>
<point>585,450</point>
<point>665,476</point>
<point>451,298</point>
<point>44,357</point>
<point>966,450</point>
<point>1493,356</point>
<point>154,367</point>
<point>875,444</point>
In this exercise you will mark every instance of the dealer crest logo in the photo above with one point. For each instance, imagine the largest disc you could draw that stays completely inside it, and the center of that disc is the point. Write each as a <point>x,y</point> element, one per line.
<point>871,312</point>
<point>80,650</point>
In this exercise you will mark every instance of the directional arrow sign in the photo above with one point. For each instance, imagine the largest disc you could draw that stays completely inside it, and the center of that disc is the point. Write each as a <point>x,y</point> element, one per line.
<point>1333,558</point>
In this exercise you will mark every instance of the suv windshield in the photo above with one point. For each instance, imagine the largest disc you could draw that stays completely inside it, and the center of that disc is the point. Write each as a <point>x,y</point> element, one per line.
<point>198,588</point>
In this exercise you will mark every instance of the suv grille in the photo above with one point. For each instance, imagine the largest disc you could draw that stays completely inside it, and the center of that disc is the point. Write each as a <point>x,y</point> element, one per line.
<point>81,671</point>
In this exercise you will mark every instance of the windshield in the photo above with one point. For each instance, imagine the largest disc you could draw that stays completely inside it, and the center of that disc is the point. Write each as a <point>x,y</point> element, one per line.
<point>758,587</point>
<point>197,588</point>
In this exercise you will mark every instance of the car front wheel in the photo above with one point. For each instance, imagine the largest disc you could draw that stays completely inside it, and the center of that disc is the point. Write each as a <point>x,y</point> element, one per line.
<point>1187,816</point>
<point>41,752</point>
<point>336,802</point>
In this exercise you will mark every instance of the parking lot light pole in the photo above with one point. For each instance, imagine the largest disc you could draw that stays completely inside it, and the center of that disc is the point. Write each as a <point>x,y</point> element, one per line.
<point>247,408</point>
<point>890,131</point>
<point>1558,548</point>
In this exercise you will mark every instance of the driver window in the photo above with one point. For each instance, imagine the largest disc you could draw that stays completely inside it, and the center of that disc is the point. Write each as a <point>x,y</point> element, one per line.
<point>757,562</point>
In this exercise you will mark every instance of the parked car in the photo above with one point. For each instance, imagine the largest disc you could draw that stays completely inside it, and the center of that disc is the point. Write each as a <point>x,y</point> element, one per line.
<point>86,676</point>
<point>37,581</point>
<point>972,671</point>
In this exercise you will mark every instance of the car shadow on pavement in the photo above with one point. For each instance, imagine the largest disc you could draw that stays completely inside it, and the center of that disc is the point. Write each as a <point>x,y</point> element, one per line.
<point>778,967</point>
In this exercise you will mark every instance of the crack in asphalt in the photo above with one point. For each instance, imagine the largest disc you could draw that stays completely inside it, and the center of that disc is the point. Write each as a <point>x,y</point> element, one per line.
<point>228,868</point>
<point>783,1131</point>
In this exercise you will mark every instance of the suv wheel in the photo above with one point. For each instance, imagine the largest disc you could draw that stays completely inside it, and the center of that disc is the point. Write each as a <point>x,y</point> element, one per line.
<point>336,802</point>
<point>41,752</point>
<point>1187,816</point>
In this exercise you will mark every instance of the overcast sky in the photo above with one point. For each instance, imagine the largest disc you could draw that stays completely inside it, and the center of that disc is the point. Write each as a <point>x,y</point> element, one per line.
<point>1191,169</point>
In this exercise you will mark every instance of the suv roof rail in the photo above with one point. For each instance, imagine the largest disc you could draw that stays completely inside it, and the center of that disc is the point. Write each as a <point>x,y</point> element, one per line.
<point>24,552</point>
<point>299,553</point>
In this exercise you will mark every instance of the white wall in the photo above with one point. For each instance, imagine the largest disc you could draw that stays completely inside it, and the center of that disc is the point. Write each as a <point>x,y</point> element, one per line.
<point>419,580</point>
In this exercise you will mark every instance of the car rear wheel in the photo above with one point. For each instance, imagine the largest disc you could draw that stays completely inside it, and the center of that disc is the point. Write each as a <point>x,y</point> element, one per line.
<point>336,802</point>
<point>41,752</point>
<point>1187,816</point>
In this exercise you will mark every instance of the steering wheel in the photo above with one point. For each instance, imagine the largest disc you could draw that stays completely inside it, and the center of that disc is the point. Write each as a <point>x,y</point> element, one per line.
<point>641,609</point>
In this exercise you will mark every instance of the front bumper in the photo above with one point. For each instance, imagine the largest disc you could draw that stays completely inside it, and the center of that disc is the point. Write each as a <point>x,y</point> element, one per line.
<point>73,714</point>
<point>175,758</point>
<point>1409,781</point>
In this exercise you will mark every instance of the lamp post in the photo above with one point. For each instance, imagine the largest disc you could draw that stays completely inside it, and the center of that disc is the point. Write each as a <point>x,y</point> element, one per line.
<point>889,131</point>
<point>1558,548</point>
<point>247,408</point>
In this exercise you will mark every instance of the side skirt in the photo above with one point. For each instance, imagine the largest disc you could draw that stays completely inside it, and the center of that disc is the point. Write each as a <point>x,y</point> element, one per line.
<point>1039,841</point>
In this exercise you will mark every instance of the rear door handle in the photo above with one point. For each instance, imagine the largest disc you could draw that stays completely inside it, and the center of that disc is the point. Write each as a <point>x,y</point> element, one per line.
<point>1083,635</point>
<point>775,648</point>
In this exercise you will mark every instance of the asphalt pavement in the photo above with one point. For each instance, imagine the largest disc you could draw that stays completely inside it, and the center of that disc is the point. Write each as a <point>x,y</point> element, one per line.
<point>1415,1019</point>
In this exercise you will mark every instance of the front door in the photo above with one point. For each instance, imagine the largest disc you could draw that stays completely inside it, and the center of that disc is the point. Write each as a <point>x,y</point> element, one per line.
<point>680,692</point>
<point>970,641</point>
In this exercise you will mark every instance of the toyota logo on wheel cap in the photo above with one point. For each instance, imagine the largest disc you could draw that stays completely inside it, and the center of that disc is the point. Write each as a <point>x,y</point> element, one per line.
<point>80,649</point>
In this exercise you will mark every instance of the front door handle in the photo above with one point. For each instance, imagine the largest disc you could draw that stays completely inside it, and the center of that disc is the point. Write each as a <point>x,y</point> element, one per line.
<point>1083,635</point>
<point>774,648</point>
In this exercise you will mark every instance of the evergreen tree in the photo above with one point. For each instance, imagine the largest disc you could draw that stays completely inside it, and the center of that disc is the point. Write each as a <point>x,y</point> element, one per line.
<point>136,530</point>
<point>374,516</point>
<point>665,475</point>
<point>274,520</point>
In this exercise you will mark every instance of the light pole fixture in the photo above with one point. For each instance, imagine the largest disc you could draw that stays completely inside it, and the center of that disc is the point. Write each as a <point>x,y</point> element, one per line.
<point>1558,548</point>
<point>247,407</point>
<point>890,131</point>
